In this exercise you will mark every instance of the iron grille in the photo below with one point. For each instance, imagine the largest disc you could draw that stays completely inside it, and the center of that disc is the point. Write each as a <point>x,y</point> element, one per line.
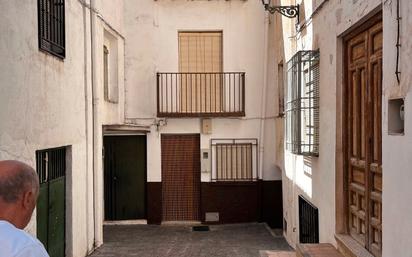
<point>51,164</point>
<point>51,22</point>
<point>308,222</point>
<point>302,104</point>
<point>234,159</point>
<point>201,94</point>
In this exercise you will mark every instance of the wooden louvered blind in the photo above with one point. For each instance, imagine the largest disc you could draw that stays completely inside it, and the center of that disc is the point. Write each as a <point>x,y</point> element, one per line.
<point>199,53</point>
<point>51,22</point>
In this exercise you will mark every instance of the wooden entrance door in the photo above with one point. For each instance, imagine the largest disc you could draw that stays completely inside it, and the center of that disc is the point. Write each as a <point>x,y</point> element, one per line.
<point>181,177</point>
<point>125,177</point>
<point>364,141</point>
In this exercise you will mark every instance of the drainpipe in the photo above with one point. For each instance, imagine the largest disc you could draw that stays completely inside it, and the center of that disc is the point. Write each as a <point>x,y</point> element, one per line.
<point>264,89</point>
<point>86,122</point>
<point>95,105</point>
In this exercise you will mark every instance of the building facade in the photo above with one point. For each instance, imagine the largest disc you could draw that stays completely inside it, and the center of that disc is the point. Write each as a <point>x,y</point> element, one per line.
<point>356,182</point>
<point>176,111</point>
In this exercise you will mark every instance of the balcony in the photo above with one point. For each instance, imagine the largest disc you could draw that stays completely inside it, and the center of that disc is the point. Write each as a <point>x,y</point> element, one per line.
<point>214,94</point>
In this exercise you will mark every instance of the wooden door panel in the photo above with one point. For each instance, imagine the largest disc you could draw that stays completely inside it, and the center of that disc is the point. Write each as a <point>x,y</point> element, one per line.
<point>375,139</point>
<point>364,110</point>
<point>181,177</point>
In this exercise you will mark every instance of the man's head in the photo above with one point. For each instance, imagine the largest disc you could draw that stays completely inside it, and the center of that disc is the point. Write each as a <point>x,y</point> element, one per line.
<point>19,189</point>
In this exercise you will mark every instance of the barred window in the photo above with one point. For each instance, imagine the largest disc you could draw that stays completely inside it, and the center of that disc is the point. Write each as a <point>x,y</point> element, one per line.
<point>302,104</point>
<point>51,164</point>
<point>51,21</point>
<point>234,160</point>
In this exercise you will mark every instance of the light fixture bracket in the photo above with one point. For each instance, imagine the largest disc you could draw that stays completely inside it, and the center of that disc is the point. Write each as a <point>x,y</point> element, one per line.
<point>290,11</point>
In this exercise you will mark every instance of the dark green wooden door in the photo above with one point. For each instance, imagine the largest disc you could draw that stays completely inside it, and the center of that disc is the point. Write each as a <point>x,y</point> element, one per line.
<point>125,177</point>
<point>51,168</point>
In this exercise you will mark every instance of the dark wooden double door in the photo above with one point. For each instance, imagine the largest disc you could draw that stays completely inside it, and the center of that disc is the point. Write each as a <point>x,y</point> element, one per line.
<point>125,177</point>
<point>364,135</point>
<point>181,177</point>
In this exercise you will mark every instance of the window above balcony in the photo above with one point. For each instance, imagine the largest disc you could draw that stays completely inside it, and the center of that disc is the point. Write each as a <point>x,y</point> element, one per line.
<point>200,88</point>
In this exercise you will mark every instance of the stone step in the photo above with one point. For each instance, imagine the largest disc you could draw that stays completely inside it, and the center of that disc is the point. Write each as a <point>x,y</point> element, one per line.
<point>277,254</point>
<point>317,250</point>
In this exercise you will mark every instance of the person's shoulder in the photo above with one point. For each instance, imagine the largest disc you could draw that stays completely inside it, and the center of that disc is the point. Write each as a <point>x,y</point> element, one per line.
<point>34,250</point>
<point>30,247</point>
<point>17,242</point>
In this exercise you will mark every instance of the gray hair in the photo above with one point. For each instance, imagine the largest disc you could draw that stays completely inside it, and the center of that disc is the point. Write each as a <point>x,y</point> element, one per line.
<point>22,179</point>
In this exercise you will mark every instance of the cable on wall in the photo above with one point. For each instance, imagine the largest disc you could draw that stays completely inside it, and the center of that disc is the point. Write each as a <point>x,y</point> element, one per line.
<point>398,44</point>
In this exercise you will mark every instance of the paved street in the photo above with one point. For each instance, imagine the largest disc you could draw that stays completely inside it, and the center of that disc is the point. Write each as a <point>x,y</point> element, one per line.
<point>242,240</point>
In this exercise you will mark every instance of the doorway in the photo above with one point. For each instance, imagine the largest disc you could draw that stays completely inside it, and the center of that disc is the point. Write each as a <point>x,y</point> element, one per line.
<point>181,177</point>
<point>125,177</point>
<point>51,204</point>
<point>363,157</point>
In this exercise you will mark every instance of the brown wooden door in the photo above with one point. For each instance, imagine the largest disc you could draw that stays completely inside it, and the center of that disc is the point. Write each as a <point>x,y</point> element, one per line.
<point>364,116</point>
<point>181,177</point>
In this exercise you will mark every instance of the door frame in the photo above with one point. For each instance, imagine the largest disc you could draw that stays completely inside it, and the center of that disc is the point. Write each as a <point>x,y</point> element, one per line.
<point>341,162</point>
<point>200,162</point>
<point>122,133</point>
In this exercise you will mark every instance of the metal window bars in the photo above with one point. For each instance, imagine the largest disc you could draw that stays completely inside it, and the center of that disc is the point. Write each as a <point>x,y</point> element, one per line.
<point>51,164</point>
<point>234,159</point>
<point>51,23</point>
<point>302,104</point>
<point>201,94</point>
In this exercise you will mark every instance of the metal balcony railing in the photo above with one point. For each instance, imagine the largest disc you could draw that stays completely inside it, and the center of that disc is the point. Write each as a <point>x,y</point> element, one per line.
<point>209,94</point>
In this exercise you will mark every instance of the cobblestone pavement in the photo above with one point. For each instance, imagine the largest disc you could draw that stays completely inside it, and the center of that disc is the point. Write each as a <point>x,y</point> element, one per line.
<point>240,240</point>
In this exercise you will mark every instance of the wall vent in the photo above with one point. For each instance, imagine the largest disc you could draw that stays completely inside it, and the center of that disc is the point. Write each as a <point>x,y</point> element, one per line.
<point>308,222</point>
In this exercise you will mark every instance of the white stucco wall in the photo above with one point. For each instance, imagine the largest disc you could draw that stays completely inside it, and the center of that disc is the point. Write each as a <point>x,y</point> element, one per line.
<point>318,182</point>
<point>397,150</point>
<point>35,93</point>
<point>46,102</point>
<point>152,46</point>
<point>315,177</point>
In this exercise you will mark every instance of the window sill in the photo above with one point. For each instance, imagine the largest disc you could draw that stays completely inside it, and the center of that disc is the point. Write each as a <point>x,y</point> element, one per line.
<point>350,248</point>
<point>234,183</point>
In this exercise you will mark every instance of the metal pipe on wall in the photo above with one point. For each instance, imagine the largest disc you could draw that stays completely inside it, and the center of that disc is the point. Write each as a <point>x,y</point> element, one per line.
<point>264,89</point>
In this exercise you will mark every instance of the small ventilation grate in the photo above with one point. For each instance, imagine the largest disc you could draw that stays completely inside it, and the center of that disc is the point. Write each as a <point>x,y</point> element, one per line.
<point>308,222</point>
<point>201,228</point>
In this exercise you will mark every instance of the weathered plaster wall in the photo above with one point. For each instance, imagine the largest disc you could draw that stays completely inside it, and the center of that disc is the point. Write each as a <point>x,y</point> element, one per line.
<point>42,103</point>
<point>397,150</point>
<point>152,46</point>
<point>46,102</point>
<point>315,177</point>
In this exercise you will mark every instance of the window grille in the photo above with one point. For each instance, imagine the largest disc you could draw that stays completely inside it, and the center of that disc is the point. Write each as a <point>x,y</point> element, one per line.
<point>234,159</point>
<point>51,164</point>
<point>302,104</point>
<point>51,22</point>
<point>308,222</point>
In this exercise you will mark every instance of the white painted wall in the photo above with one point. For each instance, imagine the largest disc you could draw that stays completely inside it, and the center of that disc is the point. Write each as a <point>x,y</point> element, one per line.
<point>42,103</point>
<point>317,182</point>
<point>397,161</point>
<point>46,102</point>
<point>152,46</point>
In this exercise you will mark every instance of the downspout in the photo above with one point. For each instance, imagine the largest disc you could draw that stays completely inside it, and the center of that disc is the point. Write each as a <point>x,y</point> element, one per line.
<point>263,99</point>
<point>95,106</point>
<point>86,120</point>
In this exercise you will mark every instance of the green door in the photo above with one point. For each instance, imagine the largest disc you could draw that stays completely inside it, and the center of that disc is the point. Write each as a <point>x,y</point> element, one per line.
<point>51,168</point>
<point>125,177</point>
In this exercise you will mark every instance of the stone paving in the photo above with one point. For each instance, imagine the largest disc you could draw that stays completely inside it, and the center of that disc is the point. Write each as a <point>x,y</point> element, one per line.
<point>240,240</point>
